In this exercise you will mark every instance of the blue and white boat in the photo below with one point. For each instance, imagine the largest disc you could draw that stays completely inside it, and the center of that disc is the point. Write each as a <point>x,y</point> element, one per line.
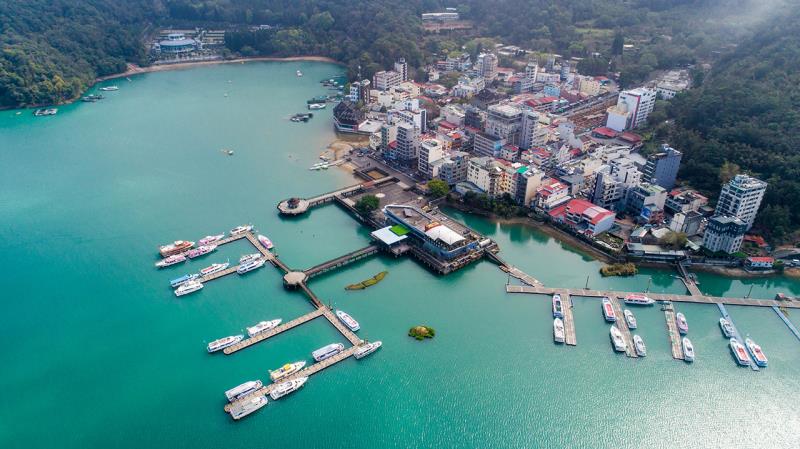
<point>558,307</point>
<point>177,282</point>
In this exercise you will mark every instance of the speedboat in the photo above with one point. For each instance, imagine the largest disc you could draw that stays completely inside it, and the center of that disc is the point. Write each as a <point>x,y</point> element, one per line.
<point>200,251</point>
<point>43,112</point>
<point>638,344</point>
<point>223,343</point>
<point>558,311</point>
<point>727,328</point>
<point>630,320</point>
<point>739,353</point>
<point>188,287</point>
<point>639,299</point>
<point>248,257</point>
<point>171,260</point>
<point>109,88</point>
<point>177,282</point>
<point>756,352</point>
<point>250,266</point>
<point>688,350</point>
<point>263,326</point>
<point>317,106</point>
<point>366,349</point>
<point>327,351</point>
<point>267,243</point>
<point>286,370</point>
<point>209,239</point>
<point>348,320</point>
<point>558,330</point>
<point>243,408</point>
<point>617,340</point>
<point>213,268</point>
<point>241,229</point>
<point>176,247</point>
<point>284,388</point>
<point>608,311</point>
<point>240,391</point>
<point>683,326</point>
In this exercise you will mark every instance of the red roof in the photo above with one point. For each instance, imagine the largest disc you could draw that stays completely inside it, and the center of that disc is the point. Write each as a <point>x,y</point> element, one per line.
<point>447,125</point>
<point>761,259</point>
<point>758,240</point>
<point>393,144</point>
<point>588,210</point>
<point>606,132</point>
<point>545,100</point>
<point>630,137</point>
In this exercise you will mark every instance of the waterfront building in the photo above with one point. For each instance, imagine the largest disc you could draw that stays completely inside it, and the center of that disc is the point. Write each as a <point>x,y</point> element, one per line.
<point>724,233</point>
<point>487,144</point>
<point>359,92</point>
<point>386,79</point>
<point>584,217</point>
<point>439,16</point>
<point>645,202</point>
<point>528,180</point>
<point>401,67</point>
<point>741,198</point>
<point>613,180</point>
<point>662,167</point>
<point>687,222</point>
<point>485,174</point>
<point>551,194</point>
<point>436,239</point>
<point>347,117</point>
<point>452,169</point>
<point>176,45</point>
<point>430,150</point>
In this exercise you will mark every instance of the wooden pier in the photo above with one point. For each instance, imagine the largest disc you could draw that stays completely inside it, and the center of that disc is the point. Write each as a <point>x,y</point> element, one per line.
<point>521,275</point>
<point>622,325</point>
<point>569,321</point>
<point>302,205</point>
<point>690,284</point>
<point>273,332</point>
<point>348,334</point>
<point>672,331</point>
<point>341,261</point>
<point>788,323</point>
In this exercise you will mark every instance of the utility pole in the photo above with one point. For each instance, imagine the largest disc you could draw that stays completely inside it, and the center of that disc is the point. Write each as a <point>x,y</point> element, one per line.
<point>647,290</point>
<point>749,292</point>
<point>587,283</point>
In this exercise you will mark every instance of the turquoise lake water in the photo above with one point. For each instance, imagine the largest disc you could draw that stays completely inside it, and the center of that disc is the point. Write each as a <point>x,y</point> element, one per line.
<point>99,353</point>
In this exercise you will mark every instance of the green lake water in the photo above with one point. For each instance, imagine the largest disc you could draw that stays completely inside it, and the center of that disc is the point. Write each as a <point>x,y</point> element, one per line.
<point>99,353</point>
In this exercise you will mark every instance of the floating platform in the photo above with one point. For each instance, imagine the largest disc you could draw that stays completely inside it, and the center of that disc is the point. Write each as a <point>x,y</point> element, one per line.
<point>673,333</point>
<point>569,321</point>
<point>622,325</point>
<point>273,332</point>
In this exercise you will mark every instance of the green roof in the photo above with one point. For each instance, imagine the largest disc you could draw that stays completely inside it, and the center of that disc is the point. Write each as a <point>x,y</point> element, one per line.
<point>522,170</point>
<point>399,230</point>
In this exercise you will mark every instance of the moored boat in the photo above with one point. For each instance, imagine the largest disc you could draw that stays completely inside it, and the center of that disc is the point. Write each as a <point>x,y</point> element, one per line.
<point>241,229</point>
<point>558,310</point>
<point>348,321</point>
<point>299,73</point>
<point>44,112</point>
<point>171,260</point>
<point>200,251</point>
<point>242,390</point>
<point>109,88</point>
<point>630,319</point>
<point>317,106</point>
<point>265,242</point>
<point>177,282</point>
<point>617,340</point>
<point>727,328</point>
<point>250,266</point>
<point>739,353</point>
<point>284,388</point>
<point>558,330</point>
<point>243,408</point>
<point>639,346</point>
<point>327,351</point>
<point>683,326</point>
<point>639,299</point>
<point>213,268</point>
<point>188,287</point>
<point>608,311</point>
<point>224,342</point>
<point>263,326</point>
<point>177,247</point>
<point>209,239</point>
<point>367,348</point>
<point>688,350</point>
<point>248,257</point>
<point>286,370</point>
<point>755,350</point>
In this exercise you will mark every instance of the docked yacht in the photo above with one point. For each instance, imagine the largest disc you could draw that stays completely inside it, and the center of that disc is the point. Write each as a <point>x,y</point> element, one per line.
<point>638,345</point>
<point>267,243</point>
<point>558,306</point>
<point>617,340</point>
<point>188,287</point>
<point>45,112</point>
<point>209,239</point>
<point>756,352</point>
<point>240,391</point>
<point>739,353</point>
<point>243,408</point>
<point>248,257</point>
<point>171,260</point>
<point>327,352</point>
<point>284,388</point>
<point>263,326</point>
<point>639,299</point>
<point>250,266</point>
<point>688,350</point>
<point>558,330</point>
<point>109,88</point>
<point>200,251</point>
<point>241,229</point>
<point>367,348</point>
<point>683,326</point>
<point>286,370</point>
<point>727,328</point>
<point>223,343</point>
<point>630,319</point>
<point>177,282</point>
<point>608,310</point>
<point>348,320</point>
<point>214,268</point>
<point>176,247</point>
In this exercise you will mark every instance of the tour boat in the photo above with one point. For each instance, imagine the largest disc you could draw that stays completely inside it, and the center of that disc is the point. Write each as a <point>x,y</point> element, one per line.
<point>617,340</point>
<point>176,247</point>
<point>241,229</point>
<point>327,351</point>
<point>250,266</point>
<point>267,243</point>
<point>608,311</point>
<point>171,260</point>
<point>366,349</point>
<point>248,257</point>
<point>43,112</point>
<point>177,282</point>
<point>242,390</point>
<point>213,268</point>
<point>683,326</point>
<point>284,388</point>
<point>630,319</point>
<point>286,370</point>
<point>262,327</point>
<point>756,352</point>
<point>189,287</point>
<point>727,328</point>
<point>223,343</point>
<point>200,251</point>
<point>688,350</point>
<point>109,88</point>
<point>209,239</point>
<point>317,106</point>
<point>638,344</point>
<point>243,408</point>
<point>639,299</point>
<point>739,353</point>
<point>558,330</point>
<point>558,311</point>
<point>348,320</point>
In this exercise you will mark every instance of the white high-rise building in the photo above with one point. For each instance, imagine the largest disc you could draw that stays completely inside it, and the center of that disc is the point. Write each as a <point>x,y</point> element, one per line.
<point>532,133</point>
<point>430,150</point>
<point>504,121</point>
<point>386,79</point>
<point>407,143</point>
<point>401,67</point>
<point>487,66</point>
<point>633,106</point>
<point>741,198</point>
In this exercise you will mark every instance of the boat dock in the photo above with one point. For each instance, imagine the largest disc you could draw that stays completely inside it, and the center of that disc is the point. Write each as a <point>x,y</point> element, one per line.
<point>521,275</point>
<point>341,261</point>
<point>672,330</point>
<point>688,281</point>
<point>569,321</point>
<point>298,206</point>
<point>736,334</point>
<point>273,332</point>
<point>348,334</point>
<point>622,325</point>
<point>789,324</point>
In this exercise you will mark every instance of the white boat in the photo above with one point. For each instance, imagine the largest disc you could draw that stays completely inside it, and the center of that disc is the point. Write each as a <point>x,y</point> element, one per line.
<point>688,350</point>
<point>755,350</point>
<point>299,73</point>
<point>638,345</point>
<point>558,330</point>
<point>171,260</point>
<point>176,247</point>
<point>739,353</point>
<point>617,340</point>
<point>608,311</point>
<point>639,299</point>
<point>286,370</point>
<point>223,343</point>
<point>630,319</point>
<point>348,320</point>
<point>177,282</point>
<point>243,408</point>
<point>683,326</point>
<point>250,266</point>
<point>317,106</point>
<point>267,243</point>
<point>727,328</point>
<point>327,351</point>
<point>558,306</point>
<point>248,257</point>
<point>213,268</point>
<point>263,326</point>
<point>241,229</point>
<point>109,88</point>
<point>284,388</point>
<point>243,390</point>
<point>189,287</point>
<point>200,251</point>
<point>209,239</point>
<point>366,349</point>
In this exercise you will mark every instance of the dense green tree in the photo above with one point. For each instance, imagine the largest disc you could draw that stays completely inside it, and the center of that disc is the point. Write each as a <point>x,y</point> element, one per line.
<point>438,188</point>
<point>366,204</point>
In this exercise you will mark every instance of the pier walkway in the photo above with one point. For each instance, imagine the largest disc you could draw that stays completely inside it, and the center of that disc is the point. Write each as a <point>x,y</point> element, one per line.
<point>736,334</point>
<point>569,321</point>
<point>672,331</point>
<point>688,281</point>
<point>273,332</point>
<point>521,275</point>
<point>232,238</point>
<point>348,334</point>
<point>341,261</point>
<point>622,325</point>
<point>789,324</point>
<point>302,205</point>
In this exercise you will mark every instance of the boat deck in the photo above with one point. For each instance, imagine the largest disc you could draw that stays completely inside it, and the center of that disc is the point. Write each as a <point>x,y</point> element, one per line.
<point>622,325</point>
<point>672,331</point>
<point>273,332</point>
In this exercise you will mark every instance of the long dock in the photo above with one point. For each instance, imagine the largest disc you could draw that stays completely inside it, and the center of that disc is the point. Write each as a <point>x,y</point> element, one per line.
<point>737,335</point>
<point>348,334</point>
<point>690,284</point>
<point>521,275</point>
<point>297,206</point>
<point>789,324</point>
<point>569,321</point>
<point>674,334</point>
<point>622,325</point>
<point>341,261</point>
<point>273,332</point>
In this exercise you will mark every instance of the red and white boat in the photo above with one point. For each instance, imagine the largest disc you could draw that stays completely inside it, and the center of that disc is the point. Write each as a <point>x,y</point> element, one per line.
<point>171,260</point>
<point>348,320</point>
<point>608,311</point>
<point>755,350</point>
<point>209,239</point>
<point>214,268</point>
<point>639,299</point>
<point>267,243</point>
<point>176,247</point>
<point>200,251</point>
<point>739,352</point>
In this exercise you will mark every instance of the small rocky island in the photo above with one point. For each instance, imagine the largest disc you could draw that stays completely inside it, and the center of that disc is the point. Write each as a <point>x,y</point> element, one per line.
<point>421,332</point>
<point>619,269</point>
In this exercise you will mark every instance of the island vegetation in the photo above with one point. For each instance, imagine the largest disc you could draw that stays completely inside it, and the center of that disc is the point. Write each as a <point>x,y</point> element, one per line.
<point>421,332</point>
<point>619,269</point>
<point>369,282</point>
